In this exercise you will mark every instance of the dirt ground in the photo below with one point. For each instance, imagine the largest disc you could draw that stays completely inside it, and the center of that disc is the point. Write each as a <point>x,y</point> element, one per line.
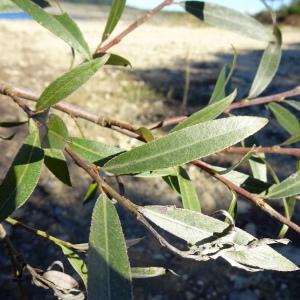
<point>160,53</point>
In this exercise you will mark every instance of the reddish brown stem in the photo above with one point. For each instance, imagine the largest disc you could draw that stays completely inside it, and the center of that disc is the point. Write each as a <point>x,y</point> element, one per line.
<point>237,105</point>
<point>260,202</point>
<point>132,27</point>
<point>266,150</point>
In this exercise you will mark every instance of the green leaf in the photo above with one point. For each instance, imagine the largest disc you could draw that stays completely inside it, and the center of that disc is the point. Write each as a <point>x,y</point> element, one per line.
<point>146,134</point>
<point>114,60</point>
<point>293,103</point>
<point>62,26</point>
<point>148,272</point>
<point>227,19</point>
<point>257,161</point>
<point>208,113</point>
<point>268,65</point>
<point>76,262</point>
<point>90,193</point>
<point>185,145</point>
<point>245,181</point>
<point>56,163</point>
<point>219,91</point>
<point>92,151</point>
<point>57,133</point>
<point>194,227</point>
<point>289,206</point>
<point>187,190</point>
<point>287,188</point>
<point>68,83</point>
<point>232,208</point>
<point>23,175</point>
<point>115,14</point>
<point>258,167</point>
<point>117,60</point>
<point>285,118</point>
<point>292,140</point>
<point>109,275</point>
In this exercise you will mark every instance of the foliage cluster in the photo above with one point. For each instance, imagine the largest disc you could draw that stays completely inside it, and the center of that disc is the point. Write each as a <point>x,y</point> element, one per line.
<point>103,263</point>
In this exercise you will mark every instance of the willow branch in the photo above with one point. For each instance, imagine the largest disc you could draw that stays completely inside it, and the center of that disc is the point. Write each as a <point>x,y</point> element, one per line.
<point>42,234</point>
<point>260,202</point>
<point>237,105</point>
<point>265,150</point>
<point>74,111</point>
<point>13,254</point>
<point>132,208</point>
<point>132,27</point>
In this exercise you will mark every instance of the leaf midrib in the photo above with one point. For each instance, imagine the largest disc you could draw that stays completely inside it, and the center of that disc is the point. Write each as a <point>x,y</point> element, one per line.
<point>168,151</point>
<point>23,174</point>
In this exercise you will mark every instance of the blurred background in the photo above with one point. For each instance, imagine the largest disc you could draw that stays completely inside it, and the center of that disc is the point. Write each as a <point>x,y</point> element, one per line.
<point>175,59</point>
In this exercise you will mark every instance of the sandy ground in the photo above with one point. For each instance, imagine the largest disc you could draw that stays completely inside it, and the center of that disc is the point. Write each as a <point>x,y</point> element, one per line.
<point>31,57</point>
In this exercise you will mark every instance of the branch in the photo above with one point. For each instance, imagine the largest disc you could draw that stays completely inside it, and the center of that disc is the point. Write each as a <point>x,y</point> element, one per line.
<point>72,110</point>
<point>42,234</point>
<point>260,202</point>
<point>13,254</point>
<point>265,150</point>
<point>132,27</point>
<point>93,171</point>
<point>265,100</point>
<point>237,105</point>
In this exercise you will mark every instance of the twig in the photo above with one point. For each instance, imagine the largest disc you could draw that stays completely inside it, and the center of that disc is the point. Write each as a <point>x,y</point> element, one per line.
<point>74,111</point>
<point>265,100</point>
<point>237,105</point>
<point>132,27</point>
<point>93,171</point>
<point>42,234</point>
<point>265,150</point>
<point>13,254</point>
<point>247,195</point>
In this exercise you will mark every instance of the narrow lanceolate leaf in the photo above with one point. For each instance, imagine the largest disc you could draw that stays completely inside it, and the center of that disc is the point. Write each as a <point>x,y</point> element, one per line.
<point>117,60</point>
<point>257,161</point>
<point>62,26</point>
<point>287,188</point>
<point>219,91</point>
<point>109,275</point>
<point>245,181</point>
<point>293,103</point>
<point>268,65</point>
<point>187,190</point>
<point>285,118</point>
<point>115,14</point>
<point>92,151</point>
<point>227,18</point>
<point>289,206</point>
<point>185,145</point>
<point>76,262</point>
<point>148,272</point>
<point>68,83</point>
<point>23,175</point>
<point>293,139</point>
<point>57,133</point>
<point>90,193</point>
<point>56,163</point>
<point>208,113</point>
<point>232,208</point>
<point>194,228</point>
